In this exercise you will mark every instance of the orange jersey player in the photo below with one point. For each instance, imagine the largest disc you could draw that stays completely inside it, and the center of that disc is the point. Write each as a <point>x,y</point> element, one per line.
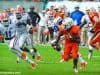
<point>72,39</point>
<point>70,34</point>
<point>71,47</point>
<point>95,20</point>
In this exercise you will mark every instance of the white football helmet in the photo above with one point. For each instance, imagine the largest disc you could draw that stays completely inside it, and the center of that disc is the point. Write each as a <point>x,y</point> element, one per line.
<point>68,22</point>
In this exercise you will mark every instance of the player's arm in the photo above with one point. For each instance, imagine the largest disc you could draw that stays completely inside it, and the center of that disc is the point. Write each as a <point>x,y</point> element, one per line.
<point>75,38</point>
<point>58,38</point>
<point>55,43</point>
<point>38,18</point>
<point>96,19</point>
<point>29,22</point>
<point>83,22</point>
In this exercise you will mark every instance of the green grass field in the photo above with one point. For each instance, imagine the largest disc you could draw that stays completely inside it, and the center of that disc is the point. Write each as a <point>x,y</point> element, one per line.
<point>50,64</point>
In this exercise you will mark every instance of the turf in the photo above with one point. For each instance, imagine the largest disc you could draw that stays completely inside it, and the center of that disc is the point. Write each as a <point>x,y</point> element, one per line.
<point>50,64</point>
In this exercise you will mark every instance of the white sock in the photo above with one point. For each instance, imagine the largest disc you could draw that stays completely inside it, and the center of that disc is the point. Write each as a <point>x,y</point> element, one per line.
<point>31,51</point>
<point>18,58</point>
<point>29,60</point>
<point>38,54</point>
<point>81,59</point>
<point>61,52</point>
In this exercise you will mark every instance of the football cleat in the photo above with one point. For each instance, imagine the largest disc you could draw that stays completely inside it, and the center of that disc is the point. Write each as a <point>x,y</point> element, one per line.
<point>62,60</point>
<point>33,65</point>
<point>83,65</point>
<point>39,58</point>
<point>75,70</point>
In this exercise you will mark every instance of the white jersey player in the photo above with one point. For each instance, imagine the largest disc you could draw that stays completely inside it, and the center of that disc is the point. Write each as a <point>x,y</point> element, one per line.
<point>18,41</point>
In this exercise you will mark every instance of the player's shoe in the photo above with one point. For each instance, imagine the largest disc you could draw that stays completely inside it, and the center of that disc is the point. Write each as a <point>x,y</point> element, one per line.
<point>75,70</point>
<point>33,65</point>
<point>83,65</point>
<point>18,61</point>
<point>62,60</point>
<point>24,55</point>
<point>39,58</point>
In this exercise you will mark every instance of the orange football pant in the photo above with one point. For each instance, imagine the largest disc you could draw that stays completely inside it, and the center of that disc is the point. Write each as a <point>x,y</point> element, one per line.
<point>95,39</point>
<point>70,51</point>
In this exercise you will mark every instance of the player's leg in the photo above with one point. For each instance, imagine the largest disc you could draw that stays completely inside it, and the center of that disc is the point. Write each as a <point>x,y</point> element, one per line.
<point>34,36</point>
<point>83,63</point>
<point>83,37</point>
<point>90,54</point>
<point>21,54</point>
<point>15,47</point>
<point>66,53</point>
<point>75,48</point>
<point>31,62</point>
<point>21,40</point>
<point>37,54</point>
<point>1,38</point>
<point>95,41</point>
<point>24,38</point>
<point>33,51</point>
<point>18,59</point>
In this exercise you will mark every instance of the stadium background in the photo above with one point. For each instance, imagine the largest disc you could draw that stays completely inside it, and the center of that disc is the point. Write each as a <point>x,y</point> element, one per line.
<point>50,64</point>
<point>42,4</point>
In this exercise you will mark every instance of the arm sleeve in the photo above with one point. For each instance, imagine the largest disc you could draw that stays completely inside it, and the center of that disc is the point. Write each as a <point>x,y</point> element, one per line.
<point>38,18</point>
<point>2,29</point>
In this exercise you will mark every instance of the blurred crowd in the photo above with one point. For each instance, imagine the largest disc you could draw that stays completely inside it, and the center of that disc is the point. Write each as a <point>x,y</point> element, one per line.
<point>46,24</point>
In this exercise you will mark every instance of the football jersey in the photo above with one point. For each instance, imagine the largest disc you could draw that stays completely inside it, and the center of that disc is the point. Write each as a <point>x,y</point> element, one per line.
<point>73,32</point>
<point>21,25</point>
<point>97,25</point>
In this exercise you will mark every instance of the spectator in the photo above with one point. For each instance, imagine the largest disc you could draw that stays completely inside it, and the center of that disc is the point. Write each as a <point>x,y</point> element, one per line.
<point>42,27</point>
<point>84,32</point>
<point>12,11</point>
<point>35,18</point>
<point>50,15</point>
<point>77,15</point>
